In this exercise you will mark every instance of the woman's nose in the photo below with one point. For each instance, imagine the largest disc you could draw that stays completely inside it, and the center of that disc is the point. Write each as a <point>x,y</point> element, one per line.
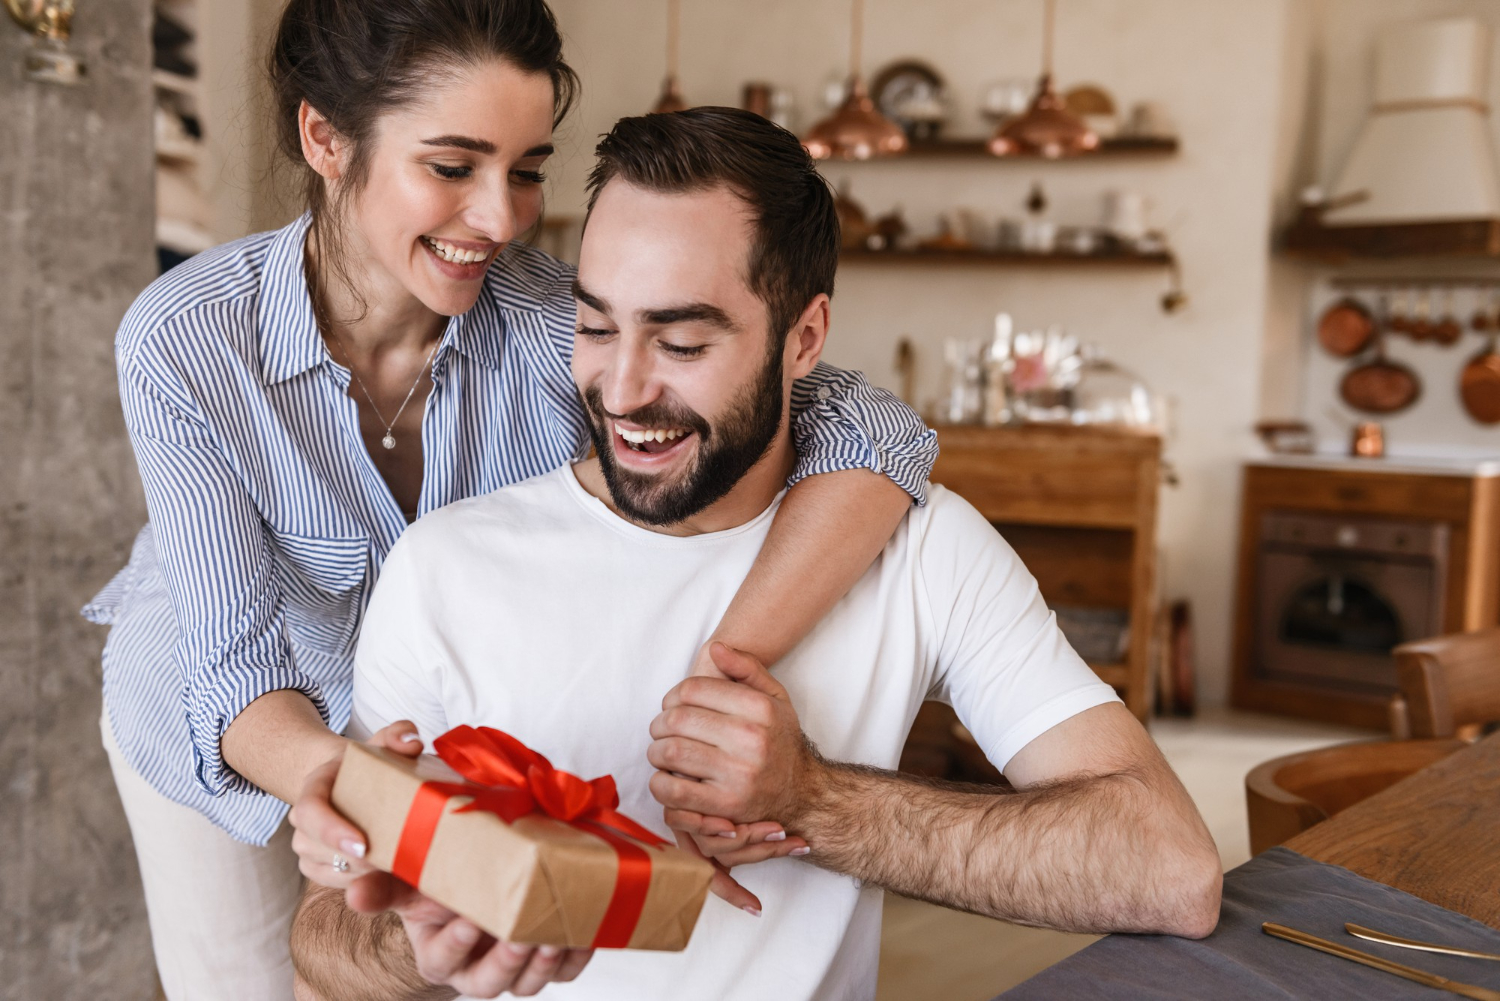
<point>493,214</point>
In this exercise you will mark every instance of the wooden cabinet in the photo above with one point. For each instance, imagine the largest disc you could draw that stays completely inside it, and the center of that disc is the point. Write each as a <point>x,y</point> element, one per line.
<point>1464,505</point>
<point>1079,506</point>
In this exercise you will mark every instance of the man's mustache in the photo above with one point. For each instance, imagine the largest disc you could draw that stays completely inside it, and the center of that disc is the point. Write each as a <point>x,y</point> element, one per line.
<point>659,414</point>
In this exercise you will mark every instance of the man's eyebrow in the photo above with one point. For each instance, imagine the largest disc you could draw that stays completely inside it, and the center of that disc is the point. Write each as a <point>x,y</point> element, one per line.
<point>589,299</point>
<point>695,312</point>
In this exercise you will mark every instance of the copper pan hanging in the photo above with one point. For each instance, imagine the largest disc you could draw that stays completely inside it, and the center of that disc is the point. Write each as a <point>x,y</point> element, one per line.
<point>1346,328</point>
<point>1379,385</point>
<point>1479,380</point>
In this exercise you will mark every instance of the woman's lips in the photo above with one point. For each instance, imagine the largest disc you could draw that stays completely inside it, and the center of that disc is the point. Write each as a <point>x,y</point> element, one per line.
<point>452,269</point>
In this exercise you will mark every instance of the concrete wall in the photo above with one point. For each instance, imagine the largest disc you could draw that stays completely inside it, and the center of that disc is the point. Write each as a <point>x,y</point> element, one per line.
<point>75,248</point>
<point>1217,67</point>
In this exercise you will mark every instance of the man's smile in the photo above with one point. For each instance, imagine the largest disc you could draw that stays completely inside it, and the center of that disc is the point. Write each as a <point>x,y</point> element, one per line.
<point>650,440</point>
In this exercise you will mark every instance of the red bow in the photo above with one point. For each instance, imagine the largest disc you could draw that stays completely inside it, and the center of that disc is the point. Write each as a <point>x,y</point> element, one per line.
<point>511,780</point>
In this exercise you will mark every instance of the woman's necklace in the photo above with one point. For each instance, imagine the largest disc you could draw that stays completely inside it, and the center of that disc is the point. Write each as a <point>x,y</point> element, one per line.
<point>389,441</point>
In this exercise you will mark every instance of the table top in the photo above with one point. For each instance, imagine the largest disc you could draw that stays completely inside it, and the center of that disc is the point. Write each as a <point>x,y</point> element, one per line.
<point>1435,834</point>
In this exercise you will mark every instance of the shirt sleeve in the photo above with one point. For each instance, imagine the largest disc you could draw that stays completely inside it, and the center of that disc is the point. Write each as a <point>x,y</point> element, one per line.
<point>840,421</point>
<point>217,562</point>
<point>1000,660</point>
<point>396,666</point>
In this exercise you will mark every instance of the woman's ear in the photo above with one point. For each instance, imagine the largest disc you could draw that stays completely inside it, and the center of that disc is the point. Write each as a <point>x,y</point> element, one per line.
<point>322,146</point>
<point>805,344</point>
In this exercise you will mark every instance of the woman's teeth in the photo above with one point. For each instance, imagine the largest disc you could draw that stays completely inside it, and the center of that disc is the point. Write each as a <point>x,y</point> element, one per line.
<point>455,255</point>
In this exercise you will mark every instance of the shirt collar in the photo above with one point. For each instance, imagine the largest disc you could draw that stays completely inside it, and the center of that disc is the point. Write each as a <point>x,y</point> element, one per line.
<point>286,329</point>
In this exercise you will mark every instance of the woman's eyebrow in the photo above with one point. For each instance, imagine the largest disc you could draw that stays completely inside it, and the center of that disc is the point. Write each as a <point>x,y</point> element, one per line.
<point>485,146</point>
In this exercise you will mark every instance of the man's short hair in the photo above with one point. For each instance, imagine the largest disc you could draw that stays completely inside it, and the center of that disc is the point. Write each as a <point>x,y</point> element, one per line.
<point>795,250</point>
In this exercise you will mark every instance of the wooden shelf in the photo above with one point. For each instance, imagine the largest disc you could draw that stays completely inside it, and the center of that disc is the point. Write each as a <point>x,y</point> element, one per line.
<point>1457,238</point>
<point>975,149</point>
<point>1007,257</point>
<point>174,82</point>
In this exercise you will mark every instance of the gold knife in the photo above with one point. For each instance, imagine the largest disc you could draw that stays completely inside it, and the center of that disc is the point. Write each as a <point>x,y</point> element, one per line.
<point>1360,931</point>
<point>1364,958</point>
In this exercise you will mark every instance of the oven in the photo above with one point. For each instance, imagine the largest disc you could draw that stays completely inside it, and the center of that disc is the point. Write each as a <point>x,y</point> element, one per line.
<point>1336,593</point>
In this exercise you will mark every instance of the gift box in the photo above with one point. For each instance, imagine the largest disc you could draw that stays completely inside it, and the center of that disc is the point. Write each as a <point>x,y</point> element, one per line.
<point>528,852</point>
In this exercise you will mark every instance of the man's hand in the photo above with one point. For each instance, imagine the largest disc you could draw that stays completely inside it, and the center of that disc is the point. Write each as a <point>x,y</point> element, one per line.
<point>454,952</point>
<point>730,748</point>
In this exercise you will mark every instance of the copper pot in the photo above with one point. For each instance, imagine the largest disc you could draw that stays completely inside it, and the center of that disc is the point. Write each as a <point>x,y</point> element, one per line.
<point>1346,328</point>
<point>1479,385</point>
<point>1380,386</point>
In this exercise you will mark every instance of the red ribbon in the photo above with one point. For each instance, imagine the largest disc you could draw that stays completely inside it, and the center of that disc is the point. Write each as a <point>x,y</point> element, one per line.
<point>511,780</point>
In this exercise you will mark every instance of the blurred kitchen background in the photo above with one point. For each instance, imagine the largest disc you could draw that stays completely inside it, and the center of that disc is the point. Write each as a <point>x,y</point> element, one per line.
<point>1286,217</point>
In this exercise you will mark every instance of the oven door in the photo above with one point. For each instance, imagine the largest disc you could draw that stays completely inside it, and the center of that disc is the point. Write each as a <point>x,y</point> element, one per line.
<point>1330,617</point>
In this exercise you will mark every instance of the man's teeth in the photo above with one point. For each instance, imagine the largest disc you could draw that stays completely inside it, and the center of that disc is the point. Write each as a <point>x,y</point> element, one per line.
<point>649,434</point>
<point>455,255</point>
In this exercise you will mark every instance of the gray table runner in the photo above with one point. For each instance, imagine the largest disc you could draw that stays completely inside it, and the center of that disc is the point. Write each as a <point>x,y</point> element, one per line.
<point>1240,961</point>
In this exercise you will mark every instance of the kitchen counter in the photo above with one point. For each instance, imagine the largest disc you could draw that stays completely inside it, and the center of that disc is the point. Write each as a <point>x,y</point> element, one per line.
<point>1421,465</point>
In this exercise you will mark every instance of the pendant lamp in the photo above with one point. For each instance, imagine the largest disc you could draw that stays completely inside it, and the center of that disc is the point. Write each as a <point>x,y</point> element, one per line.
<point>1047,128</point>
<point>671,98</point>
<point>856,130</point>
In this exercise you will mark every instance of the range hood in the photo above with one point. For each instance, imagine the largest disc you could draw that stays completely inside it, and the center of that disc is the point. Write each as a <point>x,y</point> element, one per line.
<point>1422,176</point>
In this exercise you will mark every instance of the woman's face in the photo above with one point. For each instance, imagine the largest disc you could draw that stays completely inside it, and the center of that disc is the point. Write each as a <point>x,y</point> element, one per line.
<point>453,177</point>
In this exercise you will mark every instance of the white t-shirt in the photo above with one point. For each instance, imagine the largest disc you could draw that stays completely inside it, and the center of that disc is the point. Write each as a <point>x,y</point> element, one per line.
<point>537,610</point>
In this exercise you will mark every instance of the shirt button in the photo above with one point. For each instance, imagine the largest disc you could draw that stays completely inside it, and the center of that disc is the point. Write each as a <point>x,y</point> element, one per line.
<point>824,392</point>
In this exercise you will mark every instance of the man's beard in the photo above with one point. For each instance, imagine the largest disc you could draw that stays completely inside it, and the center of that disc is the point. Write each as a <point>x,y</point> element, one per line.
<point>726,451</point>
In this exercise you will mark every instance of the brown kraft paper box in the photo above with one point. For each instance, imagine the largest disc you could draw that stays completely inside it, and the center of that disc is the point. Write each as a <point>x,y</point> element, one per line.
<point>538,881</point>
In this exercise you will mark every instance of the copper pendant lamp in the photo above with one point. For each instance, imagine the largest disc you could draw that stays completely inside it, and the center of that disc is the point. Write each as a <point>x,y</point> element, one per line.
<point>1047,128</point>
<point>856,130</point>
<point>671,97</point>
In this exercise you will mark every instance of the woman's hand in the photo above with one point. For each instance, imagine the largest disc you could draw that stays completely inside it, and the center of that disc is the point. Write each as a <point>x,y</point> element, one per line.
<point>330,850</point>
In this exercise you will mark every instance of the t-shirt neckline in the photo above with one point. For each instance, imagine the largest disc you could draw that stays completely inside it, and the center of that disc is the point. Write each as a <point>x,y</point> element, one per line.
<point>601,511</point>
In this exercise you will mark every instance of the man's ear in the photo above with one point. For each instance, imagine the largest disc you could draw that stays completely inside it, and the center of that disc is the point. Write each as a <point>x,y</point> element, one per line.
<point>805,342</point>
<point>322,146</point>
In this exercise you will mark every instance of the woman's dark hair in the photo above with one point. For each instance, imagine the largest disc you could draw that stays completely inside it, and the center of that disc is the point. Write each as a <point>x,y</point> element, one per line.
<point>355,60</point>
<point>795,250</point>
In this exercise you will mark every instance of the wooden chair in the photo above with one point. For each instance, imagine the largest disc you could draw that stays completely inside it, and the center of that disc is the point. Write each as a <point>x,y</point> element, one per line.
<point>1449,686</point>
<point>1287,795</point>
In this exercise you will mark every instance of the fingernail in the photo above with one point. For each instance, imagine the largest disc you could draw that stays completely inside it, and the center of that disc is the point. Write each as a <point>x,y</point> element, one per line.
<point>726,834</point>
<point>778,836</point>
<point>516,949</point>
<point>548,951</point>
<point>410,736</point>
<point>466,934</point>
<point>804,850</point>
<point>754,912</point>
<point>351,847</point>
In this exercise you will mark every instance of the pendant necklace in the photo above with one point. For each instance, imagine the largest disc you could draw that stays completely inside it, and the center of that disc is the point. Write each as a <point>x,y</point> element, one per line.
<point>389,441</point>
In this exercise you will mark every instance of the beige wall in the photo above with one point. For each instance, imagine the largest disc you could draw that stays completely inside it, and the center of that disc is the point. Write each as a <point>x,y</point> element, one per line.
<point>1217,67</point>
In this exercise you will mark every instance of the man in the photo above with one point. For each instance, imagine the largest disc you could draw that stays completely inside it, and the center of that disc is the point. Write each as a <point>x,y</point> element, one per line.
<point>559,610</point>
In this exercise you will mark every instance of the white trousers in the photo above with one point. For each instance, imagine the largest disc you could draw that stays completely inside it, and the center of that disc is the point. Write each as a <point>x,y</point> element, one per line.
<point>220,911</point>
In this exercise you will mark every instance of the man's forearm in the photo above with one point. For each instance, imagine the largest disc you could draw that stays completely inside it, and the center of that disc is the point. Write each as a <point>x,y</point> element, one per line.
<point>346,956</point>
<point>1083,855</point>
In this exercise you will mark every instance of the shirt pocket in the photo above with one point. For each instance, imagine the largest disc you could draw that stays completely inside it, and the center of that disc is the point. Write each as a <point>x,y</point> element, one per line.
<point>322,587</point>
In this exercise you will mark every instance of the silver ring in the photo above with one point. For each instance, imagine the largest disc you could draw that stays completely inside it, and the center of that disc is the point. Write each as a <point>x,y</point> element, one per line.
<point>339,863</point>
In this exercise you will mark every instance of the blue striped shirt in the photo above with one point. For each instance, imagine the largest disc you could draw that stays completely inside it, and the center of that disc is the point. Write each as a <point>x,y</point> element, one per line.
<point>268,520</point>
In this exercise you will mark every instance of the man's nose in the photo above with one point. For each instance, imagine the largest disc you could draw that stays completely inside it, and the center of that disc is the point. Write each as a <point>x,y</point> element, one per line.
<point>630,382</point>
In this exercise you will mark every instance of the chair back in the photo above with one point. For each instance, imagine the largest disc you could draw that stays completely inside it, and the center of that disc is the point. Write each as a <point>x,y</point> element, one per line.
<point>1287,795</point>
<point>1448,683</point>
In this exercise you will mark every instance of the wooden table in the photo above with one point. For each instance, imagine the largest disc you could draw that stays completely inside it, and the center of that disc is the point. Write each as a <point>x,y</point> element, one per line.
<point>1435,835</point>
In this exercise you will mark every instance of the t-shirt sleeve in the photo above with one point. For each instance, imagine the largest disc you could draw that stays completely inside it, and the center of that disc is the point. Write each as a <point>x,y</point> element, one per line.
<point>1000,659</point>
<point>397,663</point>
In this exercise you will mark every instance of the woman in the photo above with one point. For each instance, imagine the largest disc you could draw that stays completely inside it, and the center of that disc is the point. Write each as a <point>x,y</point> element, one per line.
<point>296,398</point>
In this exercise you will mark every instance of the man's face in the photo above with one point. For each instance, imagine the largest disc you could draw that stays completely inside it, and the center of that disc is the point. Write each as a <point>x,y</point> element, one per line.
<point>683,383</point>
